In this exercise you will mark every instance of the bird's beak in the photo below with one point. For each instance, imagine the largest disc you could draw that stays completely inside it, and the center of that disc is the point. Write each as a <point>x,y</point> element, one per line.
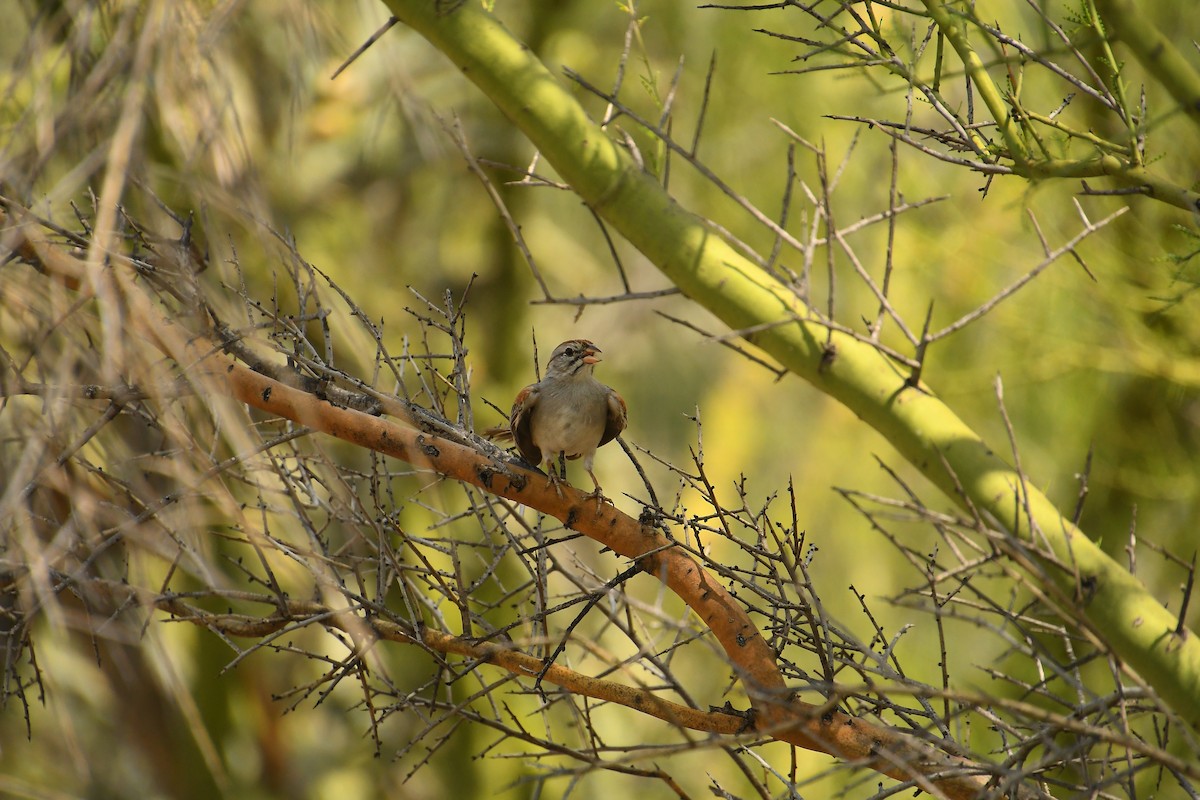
<point>592,356</point>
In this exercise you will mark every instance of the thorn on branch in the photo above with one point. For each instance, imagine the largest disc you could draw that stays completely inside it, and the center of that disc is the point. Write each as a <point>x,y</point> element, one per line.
<point>829,354</point>
<point>913,380</point>
<point>1123,190</point>
<point>1181,629</point>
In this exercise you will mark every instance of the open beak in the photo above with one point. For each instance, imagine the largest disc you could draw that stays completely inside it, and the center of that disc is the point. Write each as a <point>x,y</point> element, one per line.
<point>592,355</point>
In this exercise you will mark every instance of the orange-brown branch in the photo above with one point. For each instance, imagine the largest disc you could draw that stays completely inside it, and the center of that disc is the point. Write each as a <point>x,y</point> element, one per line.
<point>803,724</point>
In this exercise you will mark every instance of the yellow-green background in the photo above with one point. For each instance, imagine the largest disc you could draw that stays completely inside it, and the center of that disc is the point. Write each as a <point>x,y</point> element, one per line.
<point>242,122</point>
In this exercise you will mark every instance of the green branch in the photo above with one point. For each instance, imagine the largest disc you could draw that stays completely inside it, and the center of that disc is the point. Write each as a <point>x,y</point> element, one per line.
<point>1125,21</point>
<point>1159,57</point>
<point>956,34</point>
<point>709,271</point>
<point>1108,166</point>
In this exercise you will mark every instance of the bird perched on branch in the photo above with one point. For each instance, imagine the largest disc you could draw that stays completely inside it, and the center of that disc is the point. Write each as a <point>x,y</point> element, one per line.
<point>567,414</point>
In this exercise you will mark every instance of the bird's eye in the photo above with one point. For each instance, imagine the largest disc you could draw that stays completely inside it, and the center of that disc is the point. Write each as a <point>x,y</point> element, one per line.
<point>570,351</point>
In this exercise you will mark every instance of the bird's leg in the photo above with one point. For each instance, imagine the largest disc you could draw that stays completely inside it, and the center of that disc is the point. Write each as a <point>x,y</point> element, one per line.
<point>596,493</point>
<point>557,480</point>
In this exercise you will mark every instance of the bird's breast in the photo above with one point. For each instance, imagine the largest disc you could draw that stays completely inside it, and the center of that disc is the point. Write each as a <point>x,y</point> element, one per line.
<point>570,422</point>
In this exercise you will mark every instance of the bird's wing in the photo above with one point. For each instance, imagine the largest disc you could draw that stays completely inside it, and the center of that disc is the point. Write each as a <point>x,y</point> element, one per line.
<point>519,420</point>
<point>618,417</point>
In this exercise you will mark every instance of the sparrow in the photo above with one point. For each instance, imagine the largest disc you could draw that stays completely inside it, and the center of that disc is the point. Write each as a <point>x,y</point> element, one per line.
<point>567,414</point>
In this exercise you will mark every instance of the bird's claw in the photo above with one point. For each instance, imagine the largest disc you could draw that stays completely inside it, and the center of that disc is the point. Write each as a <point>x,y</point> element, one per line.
<point>600,498</point>
<point>598,494</point>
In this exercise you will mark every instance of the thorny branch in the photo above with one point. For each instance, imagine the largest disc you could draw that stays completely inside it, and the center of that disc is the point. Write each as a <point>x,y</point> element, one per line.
<point>219,496</point>
<point>1059,142</point>
<point>434,444</point>
<point>365,616</point>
